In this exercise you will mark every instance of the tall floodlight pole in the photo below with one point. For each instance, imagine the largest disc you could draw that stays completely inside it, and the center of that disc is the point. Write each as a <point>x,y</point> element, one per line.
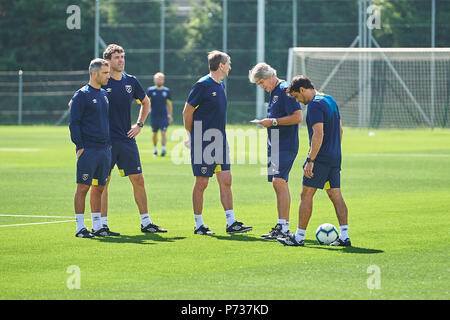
<point>432,65</point>
<point>365,36</point>
<point>360,65</point>
<point>364,109</point>
<point>224,25</point>
<point>162,36</point>
<point>97,27</point>
<point>224,31</point>
<point>369,70</point>
<point>294,24</point>
<point>260,55</point>
<point>20,102</point>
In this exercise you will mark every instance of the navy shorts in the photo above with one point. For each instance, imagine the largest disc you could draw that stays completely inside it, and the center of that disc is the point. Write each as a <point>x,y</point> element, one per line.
<point>205,170</point>
<point>207,167</point>
<point>281,166</point>
<point>159,123</point>
<point>125,155</point>
<point>93,166</point>
<point>325,177</point>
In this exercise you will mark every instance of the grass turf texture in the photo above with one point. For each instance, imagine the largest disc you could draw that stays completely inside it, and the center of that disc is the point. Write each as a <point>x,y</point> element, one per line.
<point>396,185</point>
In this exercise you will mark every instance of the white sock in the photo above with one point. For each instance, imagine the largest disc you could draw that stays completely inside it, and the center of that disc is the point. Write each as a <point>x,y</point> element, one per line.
<point>104,221</point>
<point>79,217</point>
<point>229,214</point>
<point>284,225</point>
<point>163,148</point>
<point>198,220</point>
<point>343,232</point>
<point>96,220</point>
<point>155,149</point>
<point>300,234</point>
<point>145,219</point>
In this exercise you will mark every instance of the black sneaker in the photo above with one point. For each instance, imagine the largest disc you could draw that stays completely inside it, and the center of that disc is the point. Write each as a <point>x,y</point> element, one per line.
<point>238,227</point>
<point>84,233</point>
<point>152,228</point>
<point>341,243</point>
<point>102,232</point>
<point>275,233</point>
<point>110,233</point>
<point>289,240</point>
<point>163,153</point>
<point>203,230</point>
<point>155,153</point>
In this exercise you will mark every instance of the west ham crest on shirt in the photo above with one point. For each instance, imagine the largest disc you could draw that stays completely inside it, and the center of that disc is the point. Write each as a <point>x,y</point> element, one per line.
<point>128,88</point>
<point>275,99</point>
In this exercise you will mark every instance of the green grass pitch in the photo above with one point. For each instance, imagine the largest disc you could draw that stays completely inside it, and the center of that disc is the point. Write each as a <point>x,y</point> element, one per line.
<point>396,184</point>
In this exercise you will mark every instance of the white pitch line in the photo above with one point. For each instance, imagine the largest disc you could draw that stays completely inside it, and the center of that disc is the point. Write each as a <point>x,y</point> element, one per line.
<point>30,216</point>
<point>28,224</point>
<point>398,155</point>
<point>19,149</point>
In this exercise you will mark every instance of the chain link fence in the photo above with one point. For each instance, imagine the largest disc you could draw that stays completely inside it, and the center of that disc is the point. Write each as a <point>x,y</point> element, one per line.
<point>174,36</point>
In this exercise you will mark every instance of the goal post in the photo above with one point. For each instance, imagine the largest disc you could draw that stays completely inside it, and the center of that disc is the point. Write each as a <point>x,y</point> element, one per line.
<point>380,87</point>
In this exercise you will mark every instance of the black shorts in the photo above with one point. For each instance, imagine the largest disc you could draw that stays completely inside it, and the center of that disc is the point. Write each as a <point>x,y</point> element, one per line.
<point>93,166</point>
<point>281,166</point>
<point>159,123</point>
<point>126,155</point>
<point>325,176</point>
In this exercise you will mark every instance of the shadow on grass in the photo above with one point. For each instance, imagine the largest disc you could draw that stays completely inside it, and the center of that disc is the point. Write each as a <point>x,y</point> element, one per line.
<point>239,237</point>
<point>352,249</point>
<point>138,239</point>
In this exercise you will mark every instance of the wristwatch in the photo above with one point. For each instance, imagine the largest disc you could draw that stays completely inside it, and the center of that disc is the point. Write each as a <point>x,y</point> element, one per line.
<point>309,160</point>
<point>274,122</point>
<point>140,124</point>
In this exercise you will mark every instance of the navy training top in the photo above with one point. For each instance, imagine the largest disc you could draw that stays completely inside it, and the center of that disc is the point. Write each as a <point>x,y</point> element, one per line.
<point>323,108</point>
<point>89,122</point>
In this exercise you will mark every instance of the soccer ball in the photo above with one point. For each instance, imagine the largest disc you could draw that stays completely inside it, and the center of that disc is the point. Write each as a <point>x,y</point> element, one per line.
<point>326,233</point>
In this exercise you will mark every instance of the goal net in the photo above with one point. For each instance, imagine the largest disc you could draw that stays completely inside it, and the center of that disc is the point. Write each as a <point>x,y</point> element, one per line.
<point>380,87</point>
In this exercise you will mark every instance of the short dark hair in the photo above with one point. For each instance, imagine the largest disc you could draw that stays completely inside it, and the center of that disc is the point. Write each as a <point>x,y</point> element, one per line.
<point>298,82</point>
<point>96,64</point>
<point>112,48</point>
<point>215,58</point>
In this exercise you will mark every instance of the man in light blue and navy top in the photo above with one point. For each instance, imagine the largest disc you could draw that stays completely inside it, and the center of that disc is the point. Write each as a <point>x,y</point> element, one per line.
<point>160,111</point>
<point>205,117</point>
<point>321,169</point>
<point>122,90</point>
<point>283,116</point>
<point>89,131</point>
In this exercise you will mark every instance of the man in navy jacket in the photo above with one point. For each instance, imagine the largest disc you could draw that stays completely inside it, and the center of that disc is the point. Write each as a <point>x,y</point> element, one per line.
<point>89,131</point>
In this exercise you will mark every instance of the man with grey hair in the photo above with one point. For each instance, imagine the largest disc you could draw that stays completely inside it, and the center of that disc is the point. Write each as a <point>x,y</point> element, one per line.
<point>89,131</point>
<point>283,116</point>
<point>205,114</point>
